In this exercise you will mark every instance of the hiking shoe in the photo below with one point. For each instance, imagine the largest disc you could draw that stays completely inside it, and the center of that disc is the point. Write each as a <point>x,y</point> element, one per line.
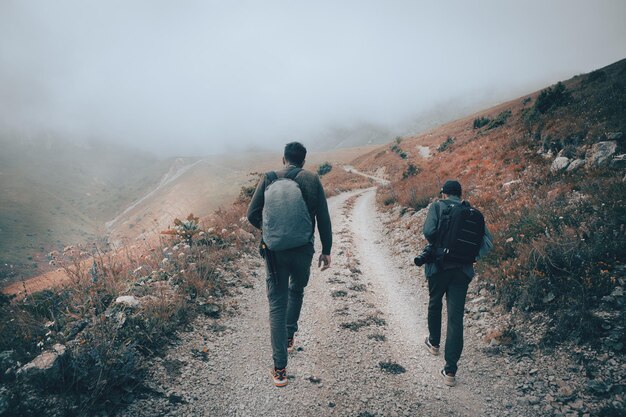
<point>291,344</point>
<point>434,350</point>
<point>279,376</point>
<point>448,378</point>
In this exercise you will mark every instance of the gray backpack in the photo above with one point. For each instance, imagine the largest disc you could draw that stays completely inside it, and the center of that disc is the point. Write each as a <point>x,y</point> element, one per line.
<point>286,220</point>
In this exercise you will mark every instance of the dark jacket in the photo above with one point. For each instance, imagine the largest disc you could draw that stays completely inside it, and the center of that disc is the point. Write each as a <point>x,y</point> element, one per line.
<point>314,197</point>
<point>431,225</point>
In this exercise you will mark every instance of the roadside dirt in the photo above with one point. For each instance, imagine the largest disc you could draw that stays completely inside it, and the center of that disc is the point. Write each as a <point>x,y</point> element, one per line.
<point>359,349</point>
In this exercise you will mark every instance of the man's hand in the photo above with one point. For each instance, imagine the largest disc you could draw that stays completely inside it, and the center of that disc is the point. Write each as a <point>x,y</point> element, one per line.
<point>324,259</point>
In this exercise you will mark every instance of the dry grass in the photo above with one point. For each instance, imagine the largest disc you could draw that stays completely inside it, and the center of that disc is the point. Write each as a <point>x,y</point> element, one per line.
<point>108,342</point>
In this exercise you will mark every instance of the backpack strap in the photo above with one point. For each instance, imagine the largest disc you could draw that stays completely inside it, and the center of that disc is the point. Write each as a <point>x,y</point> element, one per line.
<point>271,176</point>
<point>293,173</point>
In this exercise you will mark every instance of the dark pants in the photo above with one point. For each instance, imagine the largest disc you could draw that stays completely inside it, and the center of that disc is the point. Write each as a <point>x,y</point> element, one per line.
<point>284,293</point>
<point>453,283</point>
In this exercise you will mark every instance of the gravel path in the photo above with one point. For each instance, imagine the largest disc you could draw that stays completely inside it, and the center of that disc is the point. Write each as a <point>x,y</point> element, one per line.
<point>359,348</point>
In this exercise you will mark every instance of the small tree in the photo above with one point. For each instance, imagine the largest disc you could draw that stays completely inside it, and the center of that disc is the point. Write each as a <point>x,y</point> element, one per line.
<point>411,170</point>
<point>324,168</point>
<point>445,145</point>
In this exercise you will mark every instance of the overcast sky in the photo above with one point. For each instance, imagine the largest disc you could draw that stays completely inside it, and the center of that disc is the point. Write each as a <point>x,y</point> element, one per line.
<point>188,76</point>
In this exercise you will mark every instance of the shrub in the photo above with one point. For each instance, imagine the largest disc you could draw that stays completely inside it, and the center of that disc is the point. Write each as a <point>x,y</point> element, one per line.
<point>551,98</point>
<point>411,170</point>
<point>481,121</point>
<point>499,120</point>
<point>417,201</point>
<point>324,168</point>
<point>398,150</point>
<point>595,76</point>
<point>445,145</point>
<point>246,192</point>
<point>389,197</point>
<point>185,230</point>
<point>556,256</point>
<point>108,343</point>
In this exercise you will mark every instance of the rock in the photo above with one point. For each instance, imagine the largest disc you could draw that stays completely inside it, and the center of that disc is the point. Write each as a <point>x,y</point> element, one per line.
<point>619,161</point>
<point>614,135</point>
<point>600,153</point>
<point>45,368</point>
<point>510,183</point>
<point>7,361</point>
<point>127,300</point>
<point>617,292</point>
<point>5,396</point>
<point>566,393</point>
<point>559,164</point>
<point>532,400</point>
<point>575,164</point>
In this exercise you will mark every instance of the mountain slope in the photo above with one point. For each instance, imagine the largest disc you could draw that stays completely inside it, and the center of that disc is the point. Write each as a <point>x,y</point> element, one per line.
<point>548,171</point>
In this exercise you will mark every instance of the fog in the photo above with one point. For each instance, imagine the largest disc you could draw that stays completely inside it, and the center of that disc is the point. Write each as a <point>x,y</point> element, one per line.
<point>198,77</point>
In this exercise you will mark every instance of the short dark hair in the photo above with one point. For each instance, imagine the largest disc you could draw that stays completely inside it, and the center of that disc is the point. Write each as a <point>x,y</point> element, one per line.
<point>295,152</point>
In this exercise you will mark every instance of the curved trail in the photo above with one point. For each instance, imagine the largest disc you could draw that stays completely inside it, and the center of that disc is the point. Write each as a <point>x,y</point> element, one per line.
<point>368,309</point>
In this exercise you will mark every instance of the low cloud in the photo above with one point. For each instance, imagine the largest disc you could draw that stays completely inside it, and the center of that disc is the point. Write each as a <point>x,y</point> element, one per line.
<point>205,77</point>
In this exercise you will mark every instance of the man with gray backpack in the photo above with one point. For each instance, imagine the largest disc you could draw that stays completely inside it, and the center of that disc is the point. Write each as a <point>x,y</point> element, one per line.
<point>457,237</point>
<point>286,206</point>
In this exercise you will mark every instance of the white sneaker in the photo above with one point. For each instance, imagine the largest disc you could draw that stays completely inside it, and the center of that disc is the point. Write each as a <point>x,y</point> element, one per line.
<point>432,349</point>
<point>449,380</point>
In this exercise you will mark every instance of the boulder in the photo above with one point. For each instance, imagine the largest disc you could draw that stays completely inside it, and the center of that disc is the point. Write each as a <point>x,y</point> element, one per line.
<point>45,369</point>
<point>5,396</point>
<point>127,300</point>
<point>575,164</point>
<point>559,164</point>
<point>600,153</point>
<point>619,161</point>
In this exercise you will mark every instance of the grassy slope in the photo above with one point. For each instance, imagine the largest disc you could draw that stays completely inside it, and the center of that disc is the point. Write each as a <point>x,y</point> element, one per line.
<point>59,193</point>
<point>559,236</point>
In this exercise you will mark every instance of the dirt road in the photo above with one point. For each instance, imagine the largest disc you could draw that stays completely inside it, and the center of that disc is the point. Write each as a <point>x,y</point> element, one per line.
<point>359,349</point>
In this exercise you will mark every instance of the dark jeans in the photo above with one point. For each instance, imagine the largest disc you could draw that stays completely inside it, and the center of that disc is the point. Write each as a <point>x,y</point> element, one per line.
<point>285,293</point>
<point>453,283</point>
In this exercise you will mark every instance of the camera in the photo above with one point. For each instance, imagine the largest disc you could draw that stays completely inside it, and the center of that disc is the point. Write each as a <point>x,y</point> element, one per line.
<point>426,256</point>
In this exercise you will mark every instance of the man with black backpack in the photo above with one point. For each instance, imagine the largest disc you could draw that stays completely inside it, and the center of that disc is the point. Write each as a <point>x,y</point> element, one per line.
<point>285,206</point>
<point>457,237</point>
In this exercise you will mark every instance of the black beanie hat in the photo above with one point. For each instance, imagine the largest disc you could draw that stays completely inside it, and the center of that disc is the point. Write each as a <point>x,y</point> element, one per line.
<point>451,187</point>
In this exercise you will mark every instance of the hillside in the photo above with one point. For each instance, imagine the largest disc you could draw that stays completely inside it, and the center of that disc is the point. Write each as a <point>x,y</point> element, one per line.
<point>160,331</point>
<point>57,193</point>
<point>548,170</point>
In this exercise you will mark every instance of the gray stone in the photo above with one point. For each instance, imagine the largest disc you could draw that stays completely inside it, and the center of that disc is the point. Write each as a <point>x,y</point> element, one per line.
<point>4,400</point>
<point>575,164</point>
<point>559,164</point>
<point>7,360</point>
<point>619,161</point>
<point>600,153</point>
<point>127,300</point>
<point>45,368</point>
<point>614,135</point>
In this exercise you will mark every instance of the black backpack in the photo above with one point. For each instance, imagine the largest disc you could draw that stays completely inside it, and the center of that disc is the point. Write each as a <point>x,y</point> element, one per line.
<point>460,234</point>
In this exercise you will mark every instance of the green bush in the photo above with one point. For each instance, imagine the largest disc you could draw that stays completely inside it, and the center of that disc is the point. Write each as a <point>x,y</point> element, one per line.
<point>481,121</point>
<point>411,170</point>
<point>551,98</point>
<point>398,150</point>
<point>417,201</point>
<point>445,145</point>
<point>324,168</point>
<point>499,120</point>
